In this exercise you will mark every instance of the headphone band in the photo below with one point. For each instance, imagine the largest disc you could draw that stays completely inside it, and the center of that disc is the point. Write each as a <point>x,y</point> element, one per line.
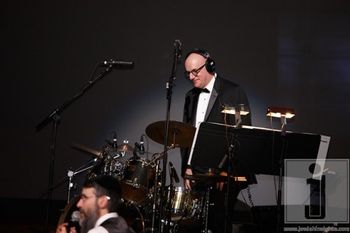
<point>210,64</point>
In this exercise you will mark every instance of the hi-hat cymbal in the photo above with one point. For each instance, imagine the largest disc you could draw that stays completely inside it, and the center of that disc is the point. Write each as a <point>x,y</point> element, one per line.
<point>179,134</point>
<point>212,178</point>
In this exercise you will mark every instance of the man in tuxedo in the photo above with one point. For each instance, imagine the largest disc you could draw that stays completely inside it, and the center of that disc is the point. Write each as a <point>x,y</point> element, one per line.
<point>210,94</point>
<point>204,103</point>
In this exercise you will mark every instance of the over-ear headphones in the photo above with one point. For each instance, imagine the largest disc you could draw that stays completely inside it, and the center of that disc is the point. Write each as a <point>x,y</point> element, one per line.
<point>209,64</point>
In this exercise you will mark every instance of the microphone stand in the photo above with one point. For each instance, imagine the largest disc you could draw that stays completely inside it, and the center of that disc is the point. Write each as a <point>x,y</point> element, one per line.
<point>169,88</point>
<point>54,117</point>
<point>230,173</point>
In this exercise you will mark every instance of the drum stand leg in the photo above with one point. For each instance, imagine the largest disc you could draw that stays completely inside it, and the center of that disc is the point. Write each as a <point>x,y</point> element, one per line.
<point>155,198</point>
<point>206,211</point>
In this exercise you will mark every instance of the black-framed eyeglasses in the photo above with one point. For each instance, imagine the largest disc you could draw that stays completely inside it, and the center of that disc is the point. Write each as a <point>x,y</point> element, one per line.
<point>195,72</point>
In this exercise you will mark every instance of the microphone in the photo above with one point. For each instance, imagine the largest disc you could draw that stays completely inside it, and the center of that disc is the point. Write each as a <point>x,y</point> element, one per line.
<point>74,221</point>
<point>142,146</point>
<point>115,142</point>
<point>223,160</point>
<point>116,63</point>
<point>173,173</point>
<point>178,49</point>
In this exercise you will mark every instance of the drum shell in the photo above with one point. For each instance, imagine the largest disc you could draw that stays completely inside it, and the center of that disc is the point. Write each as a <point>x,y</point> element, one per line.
<point>137,180</point>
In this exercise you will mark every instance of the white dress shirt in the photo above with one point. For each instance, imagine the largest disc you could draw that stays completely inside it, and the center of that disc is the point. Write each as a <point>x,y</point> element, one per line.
<point>203,101</point>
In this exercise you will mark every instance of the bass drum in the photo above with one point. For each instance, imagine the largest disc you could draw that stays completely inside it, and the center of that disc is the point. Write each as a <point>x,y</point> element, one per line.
<point>130,212</point>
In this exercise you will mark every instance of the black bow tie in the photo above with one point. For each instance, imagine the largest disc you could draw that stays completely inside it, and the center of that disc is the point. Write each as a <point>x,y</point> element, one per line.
<point>199,90</point>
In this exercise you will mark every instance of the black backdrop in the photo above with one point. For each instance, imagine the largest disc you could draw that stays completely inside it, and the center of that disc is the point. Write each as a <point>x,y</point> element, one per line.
<point>285,53</point>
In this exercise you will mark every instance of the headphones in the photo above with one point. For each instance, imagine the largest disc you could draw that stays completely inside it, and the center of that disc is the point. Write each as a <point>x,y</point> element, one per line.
<point>209,64</point>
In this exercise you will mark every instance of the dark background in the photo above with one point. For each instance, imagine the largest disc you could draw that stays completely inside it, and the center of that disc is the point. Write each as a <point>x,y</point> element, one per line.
<point>283,53</point>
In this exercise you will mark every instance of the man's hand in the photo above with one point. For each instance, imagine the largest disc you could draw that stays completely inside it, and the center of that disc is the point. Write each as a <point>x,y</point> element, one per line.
<point>187,182</point>
<point>62,228</point>
<point>220,185</point>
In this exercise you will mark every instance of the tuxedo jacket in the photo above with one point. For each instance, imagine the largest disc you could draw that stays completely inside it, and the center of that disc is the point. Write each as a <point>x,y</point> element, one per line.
<point>224,93</point>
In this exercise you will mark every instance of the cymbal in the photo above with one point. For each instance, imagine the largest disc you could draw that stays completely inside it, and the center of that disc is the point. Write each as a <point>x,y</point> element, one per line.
<point>96,153</point>
<point>179,134</point>
<point>212,178</point>
<point>124,148</point>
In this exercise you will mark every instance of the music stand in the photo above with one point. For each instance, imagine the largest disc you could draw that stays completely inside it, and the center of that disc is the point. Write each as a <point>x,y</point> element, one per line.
<point>257,150</point>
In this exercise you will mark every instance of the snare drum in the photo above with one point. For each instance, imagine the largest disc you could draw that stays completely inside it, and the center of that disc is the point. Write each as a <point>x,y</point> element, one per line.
<point>183,204</point>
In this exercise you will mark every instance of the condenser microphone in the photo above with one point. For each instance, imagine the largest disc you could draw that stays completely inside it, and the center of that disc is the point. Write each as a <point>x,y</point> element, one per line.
<point>178,49</point>
<point>117,63</point>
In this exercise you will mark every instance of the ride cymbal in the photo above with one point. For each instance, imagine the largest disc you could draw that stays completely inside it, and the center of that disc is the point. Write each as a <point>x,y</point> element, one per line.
<point>179,134</point>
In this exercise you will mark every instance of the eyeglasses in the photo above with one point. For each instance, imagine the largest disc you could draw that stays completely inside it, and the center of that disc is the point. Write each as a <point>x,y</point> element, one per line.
<point>195,72</point>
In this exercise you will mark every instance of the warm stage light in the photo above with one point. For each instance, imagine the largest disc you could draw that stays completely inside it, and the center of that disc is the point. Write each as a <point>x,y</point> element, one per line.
<point>238,111</point>
<point>282,113</point>
<point>279,112</point>
<point>232,110</point>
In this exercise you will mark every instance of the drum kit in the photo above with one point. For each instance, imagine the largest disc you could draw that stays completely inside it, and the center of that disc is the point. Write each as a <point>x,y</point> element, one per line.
<point>140,180</point>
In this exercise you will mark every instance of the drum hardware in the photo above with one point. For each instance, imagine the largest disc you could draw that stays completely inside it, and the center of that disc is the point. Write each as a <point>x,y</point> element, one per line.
<point>210,180</point>
<point>156,195</point>
<point>205,213</point>
<point>71,174</point>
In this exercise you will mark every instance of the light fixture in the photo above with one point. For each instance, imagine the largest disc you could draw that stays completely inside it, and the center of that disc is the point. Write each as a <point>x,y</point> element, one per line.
<point>281,112</point>
<point>232,110</point>
<point>238,111</point>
